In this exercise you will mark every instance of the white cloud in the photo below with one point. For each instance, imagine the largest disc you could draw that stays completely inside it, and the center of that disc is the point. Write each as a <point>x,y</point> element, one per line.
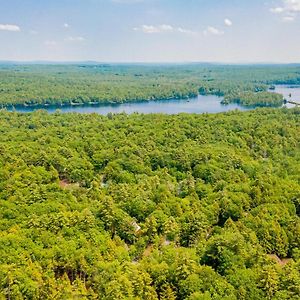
<point>210,30</point>
<point>75,39</point>
<point>155,29</point>
<point>50,43</point>
<point>186,31</point>
<point>9,27</point>
<point>288,18</point>
<point>66,25</point>
<point>164,28</point>
<point>277,10</point>
<point>228,22</point>
<point>291,5</point>
<point>289,10</point>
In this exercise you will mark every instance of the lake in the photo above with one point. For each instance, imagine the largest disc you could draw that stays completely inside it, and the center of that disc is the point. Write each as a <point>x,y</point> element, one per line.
<point>198,105</point>
<point>289,92</point>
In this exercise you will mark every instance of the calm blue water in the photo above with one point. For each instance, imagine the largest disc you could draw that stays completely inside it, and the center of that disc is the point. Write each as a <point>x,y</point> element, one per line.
<point>198,105</point>
<point>289,92</point>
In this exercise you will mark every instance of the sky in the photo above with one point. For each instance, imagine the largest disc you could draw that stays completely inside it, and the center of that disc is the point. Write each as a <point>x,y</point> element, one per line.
<point>229,31</point>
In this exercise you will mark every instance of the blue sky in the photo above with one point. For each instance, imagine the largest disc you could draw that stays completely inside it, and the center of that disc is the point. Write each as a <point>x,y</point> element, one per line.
<point>150,30</point>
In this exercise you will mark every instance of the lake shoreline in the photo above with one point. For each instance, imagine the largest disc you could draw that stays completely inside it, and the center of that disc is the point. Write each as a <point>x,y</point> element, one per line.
<point>201,104</point>
<point>94,104</point>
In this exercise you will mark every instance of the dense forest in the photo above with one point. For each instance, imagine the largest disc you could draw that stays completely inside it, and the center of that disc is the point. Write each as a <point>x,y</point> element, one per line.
<point>192,207</point>
<point>256,99</point>
<point>103,83</point>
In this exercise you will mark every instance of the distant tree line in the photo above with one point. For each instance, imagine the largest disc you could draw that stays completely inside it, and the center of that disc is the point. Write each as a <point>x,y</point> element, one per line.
<point>92,84</point>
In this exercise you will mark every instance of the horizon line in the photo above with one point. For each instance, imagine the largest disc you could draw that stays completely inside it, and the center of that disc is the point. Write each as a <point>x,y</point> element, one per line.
<point>145,62</point>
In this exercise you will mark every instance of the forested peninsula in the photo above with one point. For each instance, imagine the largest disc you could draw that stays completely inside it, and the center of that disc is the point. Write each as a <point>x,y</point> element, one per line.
<point>147,206</point>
